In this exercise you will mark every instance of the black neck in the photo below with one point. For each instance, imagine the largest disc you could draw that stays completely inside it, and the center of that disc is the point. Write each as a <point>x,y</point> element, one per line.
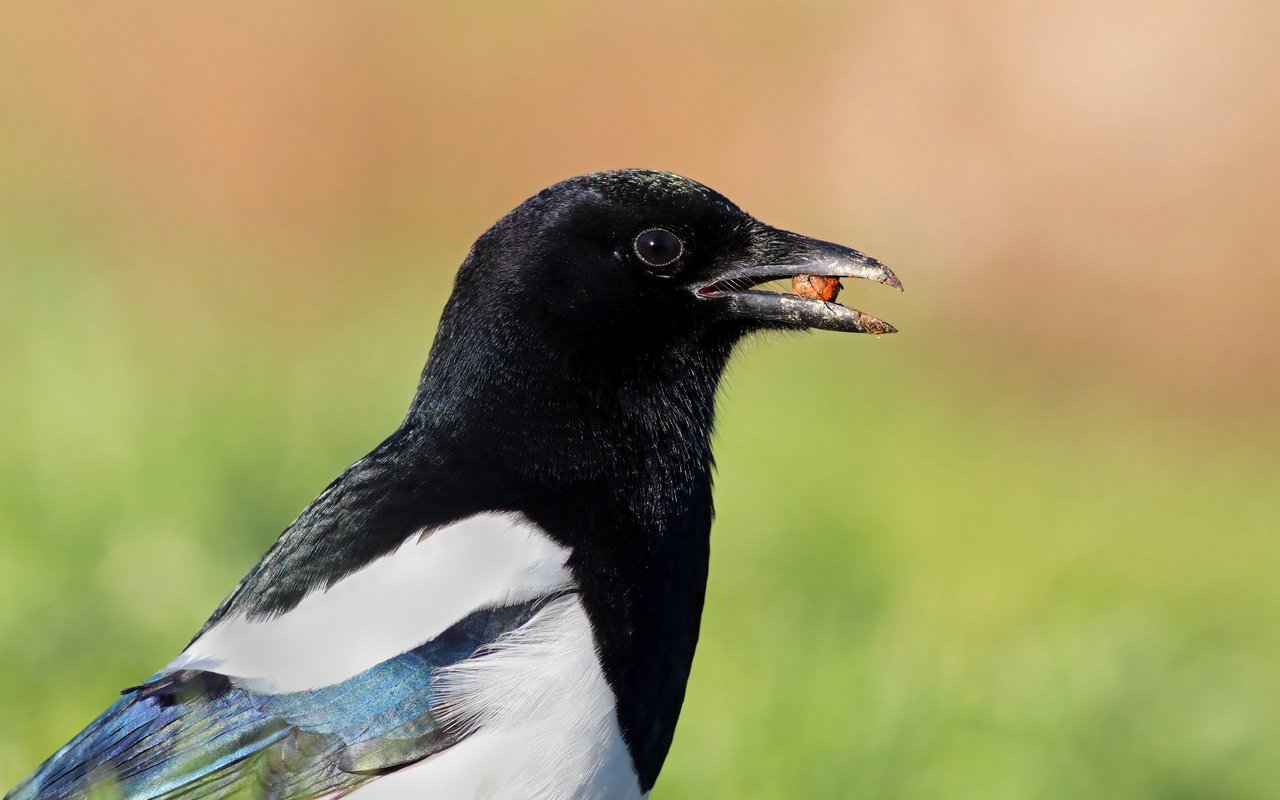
<point>616,464</point>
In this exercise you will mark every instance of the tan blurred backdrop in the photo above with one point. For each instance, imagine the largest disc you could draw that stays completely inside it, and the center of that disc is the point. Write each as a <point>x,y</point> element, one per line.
<point>1086,193</point>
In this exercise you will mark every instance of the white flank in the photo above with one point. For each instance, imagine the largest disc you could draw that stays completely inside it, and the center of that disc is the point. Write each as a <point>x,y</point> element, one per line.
<point>544,718</point>
<point>392,605</point>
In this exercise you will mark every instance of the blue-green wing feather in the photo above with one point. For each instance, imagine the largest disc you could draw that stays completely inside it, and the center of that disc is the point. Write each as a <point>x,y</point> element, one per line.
<point>201,736</point>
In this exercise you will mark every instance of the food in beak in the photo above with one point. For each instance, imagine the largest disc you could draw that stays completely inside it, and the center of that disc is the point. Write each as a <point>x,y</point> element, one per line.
<point>818,287</point>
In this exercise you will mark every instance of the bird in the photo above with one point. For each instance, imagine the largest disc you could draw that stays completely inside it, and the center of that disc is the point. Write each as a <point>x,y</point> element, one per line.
<point>503,598</point>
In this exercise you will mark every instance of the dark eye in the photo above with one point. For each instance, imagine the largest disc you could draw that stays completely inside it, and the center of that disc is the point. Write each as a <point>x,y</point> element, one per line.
<point>657,247</point>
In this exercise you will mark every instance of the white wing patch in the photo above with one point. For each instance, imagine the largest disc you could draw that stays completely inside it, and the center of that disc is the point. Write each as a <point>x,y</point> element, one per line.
<point>390,606</point>
<point>544,717</point>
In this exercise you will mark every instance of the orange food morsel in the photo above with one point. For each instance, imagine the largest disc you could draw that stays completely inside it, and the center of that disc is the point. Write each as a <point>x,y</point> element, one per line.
<point>816,286</point>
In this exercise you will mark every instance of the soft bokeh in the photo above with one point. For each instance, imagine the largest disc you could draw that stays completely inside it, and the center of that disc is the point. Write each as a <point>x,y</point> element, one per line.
<point>1028,547</point>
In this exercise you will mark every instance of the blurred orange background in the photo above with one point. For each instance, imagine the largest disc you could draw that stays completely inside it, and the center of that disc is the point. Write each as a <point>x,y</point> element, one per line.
<point>1086,190</point>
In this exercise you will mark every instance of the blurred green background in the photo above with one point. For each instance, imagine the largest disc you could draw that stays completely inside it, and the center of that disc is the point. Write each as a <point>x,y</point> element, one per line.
<point>1027,548</point>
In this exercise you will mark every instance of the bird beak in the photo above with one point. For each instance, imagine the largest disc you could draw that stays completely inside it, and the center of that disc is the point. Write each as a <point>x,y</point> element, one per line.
<point>786,255</point>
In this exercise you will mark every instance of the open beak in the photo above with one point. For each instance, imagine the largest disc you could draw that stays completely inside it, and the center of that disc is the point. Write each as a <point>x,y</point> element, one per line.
<point>786,256</point>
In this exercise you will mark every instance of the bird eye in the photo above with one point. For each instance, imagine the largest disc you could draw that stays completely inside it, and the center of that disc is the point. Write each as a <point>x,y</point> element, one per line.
<point>658,247</point>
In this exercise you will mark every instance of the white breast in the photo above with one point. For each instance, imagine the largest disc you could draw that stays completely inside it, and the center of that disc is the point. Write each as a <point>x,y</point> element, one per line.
<point>544,718</point>
<point>392,605</point>
<point>539,711</point>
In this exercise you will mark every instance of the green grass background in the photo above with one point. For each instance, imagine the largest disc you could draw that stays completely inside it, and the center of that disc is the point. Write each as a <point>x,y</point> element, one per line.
<point>929,579</point>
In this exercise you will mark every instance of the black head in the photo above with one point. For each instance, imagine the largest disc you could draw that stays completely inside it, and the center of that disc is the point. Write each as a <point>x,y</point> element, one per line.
<point>618,291</point>
<point>621,265</point>
<point>603,262</point>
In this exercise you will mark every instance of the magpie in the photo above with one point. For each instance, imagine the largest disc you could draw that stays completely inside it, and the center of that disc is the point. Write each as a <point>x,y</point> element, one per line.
<point>502,599</point>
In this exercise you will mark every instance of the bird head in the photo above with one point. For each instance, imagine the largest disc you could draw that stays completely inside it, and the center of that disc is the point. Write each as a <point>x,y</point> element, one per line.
<point>616,298</point>
<point>626,263</point>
